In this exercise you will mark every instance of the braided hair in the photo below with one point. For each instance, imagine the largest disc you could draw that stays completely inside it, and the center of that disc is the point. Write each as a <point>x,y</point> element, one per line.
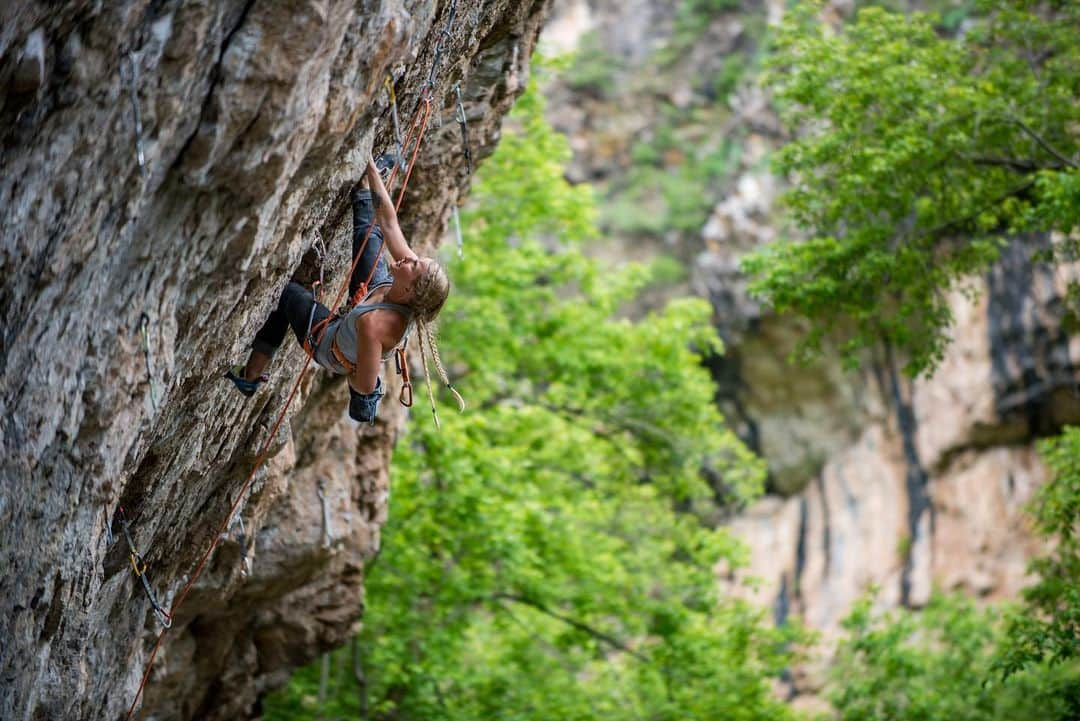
<point>429,295</point>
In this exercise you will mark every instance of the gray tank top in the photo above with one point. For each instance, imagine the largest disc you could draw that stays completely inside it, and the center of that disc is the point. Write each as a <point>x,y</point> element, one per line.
<point>344,329</point>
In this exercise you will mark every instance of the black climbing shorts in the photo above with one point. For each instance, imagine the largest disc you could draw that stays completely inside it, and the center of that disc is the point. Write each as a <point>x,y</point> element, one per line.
<point>294,311</point>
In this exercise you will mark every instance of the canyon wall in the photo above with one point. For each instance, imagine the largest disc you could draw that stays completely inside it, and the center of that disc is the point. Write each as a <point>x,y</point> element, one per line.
<point>875,481</point>
<point>167,167</point>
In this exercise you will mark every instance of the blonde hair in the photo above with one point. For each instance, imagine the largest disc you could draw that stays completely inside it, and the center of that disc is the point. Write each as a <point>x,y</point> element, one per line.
<point>430,292</point>
<point>429,295</point>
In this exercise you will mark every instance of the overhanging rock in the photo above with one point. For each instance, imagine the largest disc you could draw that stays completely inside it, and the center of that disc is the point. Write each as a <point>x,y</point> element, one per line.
<point>179,161</point>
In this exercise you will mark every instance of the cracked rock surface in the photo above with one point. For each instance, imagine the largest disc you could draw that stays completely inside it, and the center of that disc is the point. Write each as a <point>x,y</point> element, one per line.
<point>167,167</point>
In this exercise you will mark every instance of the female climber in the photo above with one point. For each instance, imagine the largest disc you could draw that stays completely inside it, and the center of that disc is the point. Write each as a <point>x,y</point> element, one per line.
<point>408,293</point>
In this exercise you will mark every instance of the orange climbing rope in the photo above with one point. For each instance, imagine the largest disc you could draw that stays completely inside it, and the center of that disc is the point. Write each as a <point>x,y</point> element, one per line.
<point>420,119</point>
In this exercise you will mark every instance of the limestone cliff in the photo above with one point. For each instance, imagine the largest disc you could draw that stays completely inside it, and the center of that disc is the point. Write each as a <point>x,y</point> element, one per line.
<point>874,481</point>
<point>179,161</point>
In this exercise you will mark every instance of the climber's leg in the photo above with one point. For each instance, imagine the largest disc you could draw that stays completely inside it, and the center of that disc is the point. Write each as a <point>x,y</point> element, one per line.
<point>294,310</point>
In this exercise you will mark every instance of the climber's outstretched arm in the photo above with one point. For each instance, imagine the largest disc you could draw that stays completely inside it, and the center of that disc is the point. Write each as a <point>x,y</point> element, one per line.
<point>386,216</point>
<point>369,359</point>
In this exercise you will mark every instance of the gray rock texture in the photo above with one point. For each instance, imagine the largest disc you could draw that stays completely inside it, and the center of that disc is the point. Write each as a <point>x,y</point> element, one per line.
<point>180,160</point>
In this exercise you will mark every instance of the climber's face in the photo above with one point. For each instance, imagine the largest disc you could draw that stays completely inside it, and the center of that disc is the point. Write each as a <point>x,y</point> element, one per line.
<point>408,270</point>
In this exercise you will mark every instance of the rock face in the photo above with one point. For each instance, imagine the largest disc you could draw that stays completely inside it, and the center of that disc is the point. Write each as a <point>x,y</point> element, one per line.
<point>931,493</point>
<point>875,481</point>
<point>176,162</point>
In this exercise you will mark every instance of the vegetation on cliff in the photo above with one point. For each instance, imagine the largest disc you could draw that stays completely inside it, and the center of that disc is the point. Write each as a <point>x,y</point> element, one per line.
<point>1047,627</point>
<point>937,664</point>
<point>916,155</point>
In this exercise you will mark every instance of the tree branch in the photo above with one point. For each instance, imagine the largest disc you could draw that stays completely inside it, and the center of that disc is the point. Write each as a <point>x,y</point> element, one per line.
<point>540,640</point>
<point>959,223</point>
<point>579,625</point>
<point>1045,145</point>
<point>1021,166</point>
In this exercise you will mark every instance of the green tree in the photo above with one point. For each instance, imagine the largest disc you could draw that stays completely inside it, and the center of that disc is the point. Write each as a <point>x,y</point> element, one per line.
<point>932,665</point>
<point>549,552</point>
<point>1047,628</point>
<point>916,155</point>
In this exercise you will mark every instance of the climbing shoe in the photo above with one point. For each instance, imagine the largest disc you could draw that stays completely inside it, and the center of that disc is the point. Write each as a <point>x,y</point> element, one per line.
<point>248,388</point>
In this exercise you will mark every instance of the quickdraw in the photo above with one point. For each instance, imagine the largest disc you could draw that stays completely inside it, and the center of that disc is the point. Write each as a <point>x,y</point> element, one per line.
<point>394,116</point>
<point>144,330</point>
<point>245,558</point>
<point>455,217</point>
<point>328,533</point>
<point>320,255</point>
<point>444,35</point>
<point>463,123</point>
<point>401,362</point>
<point>139,566</point>
<point>109,537</point>
<point>132,77</point>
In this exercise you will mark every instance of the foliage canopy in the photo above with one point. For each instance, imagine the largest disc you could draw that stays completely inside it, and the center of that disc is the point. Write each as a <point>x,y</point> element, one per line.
<point>933,665</point>
<point>917,154</point>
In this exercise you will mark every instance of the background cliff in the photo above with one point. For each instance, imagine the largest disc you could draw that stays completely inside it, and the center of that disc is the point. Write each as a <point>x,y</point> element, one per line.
<point>181,160</point>
<point>874,480</point>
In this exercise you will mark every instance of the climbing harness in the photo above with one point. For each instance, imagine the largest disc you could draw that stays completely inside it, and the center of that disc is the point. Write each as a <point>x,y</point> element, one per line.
<point>138,565</point>
<point>419,124</point>
<point>394,117</point>
<point>464,125</point>
<point>132,77</point>
<point>328,533</point>
<point>144,330</point>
